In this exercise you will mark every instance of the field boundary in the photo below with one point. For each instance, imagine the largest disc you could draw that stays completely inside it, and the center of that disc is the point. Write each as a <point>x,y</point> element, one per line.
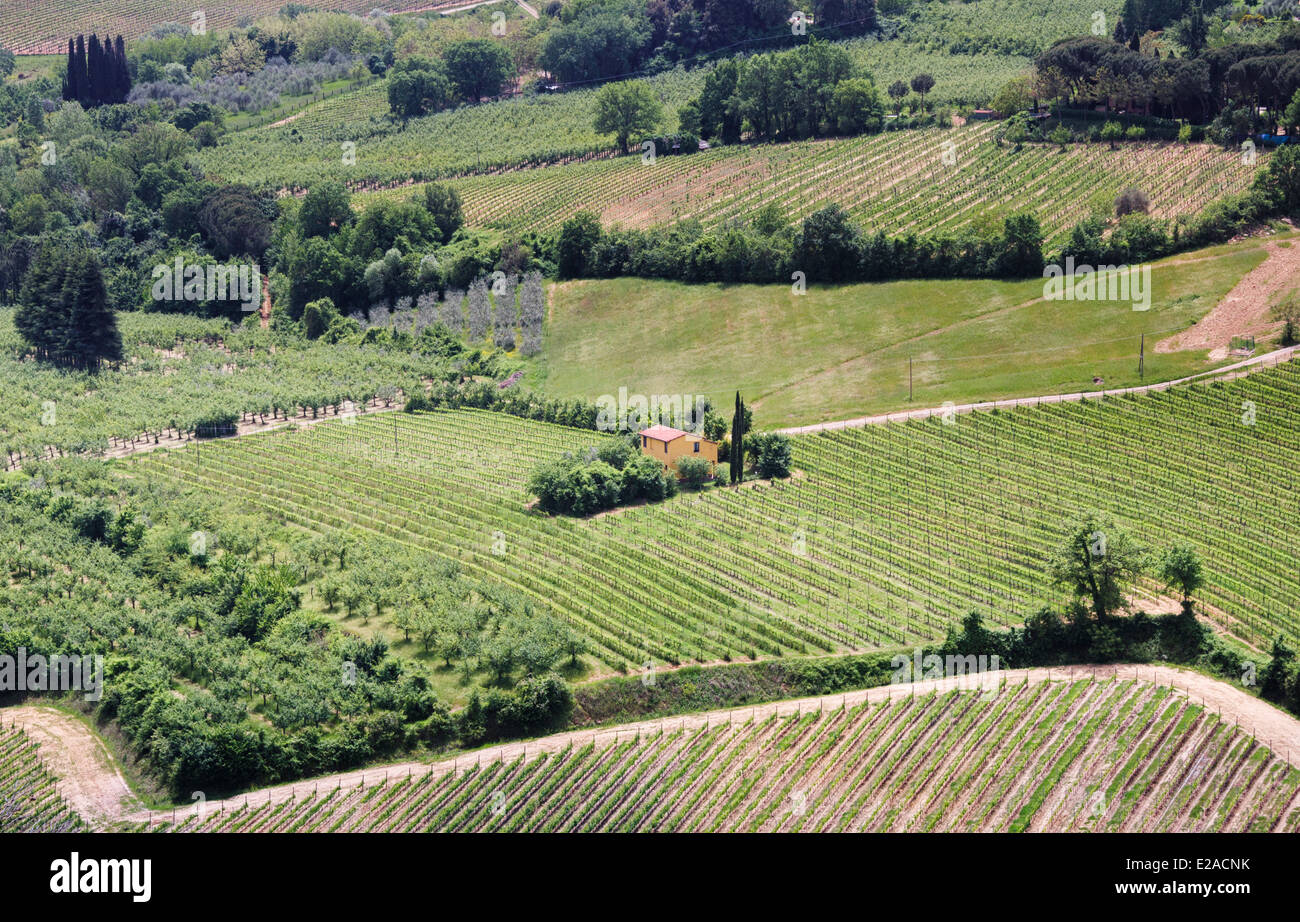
<point>1227,372</point>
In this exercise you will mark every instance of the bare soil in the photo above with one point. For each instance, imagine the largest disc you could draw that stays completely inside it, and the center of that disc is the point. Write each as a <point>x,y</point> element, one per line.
<point>89,779</point>
<point>1246,309</point>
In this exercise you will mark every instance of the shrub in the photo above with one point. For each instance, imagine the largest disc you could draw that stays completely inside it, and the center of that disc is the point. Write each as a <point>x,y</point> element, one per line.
<point>1132,200</point>
<point>692,470</point>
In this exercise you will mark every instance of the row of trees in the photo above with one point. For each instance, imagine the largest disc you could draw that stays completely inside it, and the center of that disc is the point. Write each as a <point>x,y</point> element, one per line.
<point>1098,71</point>
<point>597,39</point>
<point>97,72</point>
<point>827,247</point>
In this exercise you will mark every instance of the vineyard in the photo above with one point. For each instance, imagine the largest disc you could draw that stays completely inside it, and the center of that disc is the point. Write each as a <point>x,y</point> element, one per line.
<point>29,801</point>
<point>920,182</point>
<point>1057,756</point>
<point>890,535</point>
<point>183,371</point>
<point>44,26</point>
<point>1004,26</point>
<point>519,132</point>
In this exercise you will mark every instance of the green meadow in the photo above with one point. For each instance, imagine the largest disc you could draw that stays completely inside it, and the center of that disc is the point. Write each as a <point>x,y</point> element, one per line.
<point>840,352</point>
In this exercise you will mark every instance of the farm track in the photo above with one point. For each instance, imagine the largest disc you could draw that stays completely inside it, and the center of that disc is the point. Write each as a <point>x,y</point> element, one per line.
<point>88,777</point>
<point>1227,372</point>
<point>1245,309</point>
<point>1037,735</point>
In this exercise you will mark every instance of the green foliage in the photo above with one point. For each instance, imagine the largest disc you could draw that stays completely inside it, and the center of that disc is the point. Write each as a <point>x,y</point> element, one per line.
<point>477,67</point>
<point>1181,570</point>
<point>325,210</point>
<point>772,453</point>
<point>694,471</point>
<point>576,240</point>
<point>417,86</point>
<point>625,109</point>
<point>64,313</point>
<point>1099,562</point>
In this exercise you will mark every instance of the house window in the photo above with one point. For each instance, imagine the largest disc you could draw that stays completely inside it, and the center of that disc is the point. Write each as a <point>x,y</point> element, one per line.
<point>665,448</point>
<point>644,441</point>
<point>697,448</point>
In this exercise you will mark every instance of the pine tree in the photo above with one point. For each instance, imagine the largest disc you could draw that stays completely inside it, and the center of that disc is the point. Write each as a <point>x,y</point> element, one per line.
<point>63,310</point>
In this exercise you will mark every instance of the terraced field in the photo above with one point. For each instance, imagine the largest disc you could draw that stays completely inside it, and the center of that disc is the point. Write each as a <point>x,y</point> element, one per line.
<point>29,800</point>
<point>1109,755</point>
<point>930,181</point>
<point>888,537</point>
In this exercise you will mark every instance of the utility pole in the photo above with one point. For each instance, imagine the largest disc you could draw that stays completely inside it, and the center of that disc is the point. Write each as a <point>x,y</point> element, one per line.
<point>1142,357</point>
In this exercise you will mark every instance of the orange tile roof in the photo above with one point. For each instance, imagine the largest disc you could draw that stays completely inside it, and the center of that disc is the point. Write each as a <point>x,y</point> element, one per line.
<point>663,433</point>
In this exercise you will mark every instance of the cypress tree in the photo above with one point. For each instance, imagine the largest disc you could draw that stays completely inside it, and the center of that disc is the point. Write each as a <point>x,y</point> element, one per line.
<point>95,67</point>
<point>737,459</point>
<point>123,73</point>
<point>82,72</point>
<point>70,88</point>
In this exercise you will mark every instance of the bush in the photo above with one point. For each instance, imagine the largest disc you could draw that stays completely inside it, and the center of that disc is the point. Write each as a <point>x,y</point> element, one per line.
<point>1132,200</point>
<point>692,470</point>
<point>771,452</point>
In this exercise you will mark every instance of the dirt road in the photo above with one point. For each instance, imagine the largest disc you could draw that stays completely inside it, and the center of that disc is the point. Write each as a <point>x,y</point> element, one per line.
<point>89,779</point>
<point>1246,309</point>
<point>1235,370</point>
<point>1274,728</point>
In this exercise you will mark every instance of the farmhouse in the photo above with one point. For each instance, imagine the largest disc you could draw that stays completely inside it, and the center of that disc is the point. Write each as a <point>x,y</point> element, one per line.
<point>668,445</point>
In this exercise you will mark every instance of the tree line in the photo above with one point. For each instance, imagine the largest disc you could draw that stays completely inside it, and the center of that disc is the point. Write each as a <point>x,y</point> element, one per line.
<point>1202,85</point>
<point>807,91</point>
<point>827,247</point>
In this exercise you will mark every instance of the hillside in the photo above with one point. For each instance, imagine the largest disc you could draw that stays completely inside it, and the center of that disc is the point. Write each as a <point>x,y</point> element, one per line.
<point>905,528</point>
<point>837,352</point>
<point>913,182</point>
<point>1059,756</point>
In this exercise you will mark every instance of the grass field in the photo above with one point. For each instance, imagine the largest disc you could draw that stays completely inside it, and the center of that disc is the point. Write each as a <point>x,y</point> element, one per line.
<point>1056,756</point>
<point>888,538</point>
<point>837,353</point>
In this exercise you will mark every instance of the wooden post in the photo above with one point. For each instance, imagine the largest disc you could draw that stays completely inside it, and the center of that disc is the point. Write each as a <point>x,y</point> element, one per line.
<point>1142,356</point>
